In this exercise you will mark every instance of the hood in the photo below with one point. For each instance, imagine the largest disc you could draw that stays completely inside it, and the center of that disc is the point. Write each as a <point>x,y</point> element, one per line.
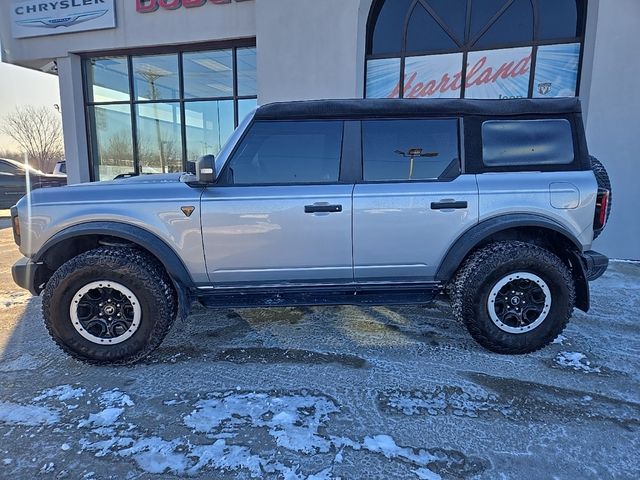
<point>139,179</point>
<point>144,188</point>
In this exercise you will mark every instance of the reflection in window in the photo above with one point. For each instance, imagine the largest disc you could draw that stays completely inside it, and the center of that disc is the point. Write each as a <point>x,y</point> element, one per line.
<point>245,107</point>
<point>409,149</point>
<point>208,74</point>
<point>156,77</point>
<point>176,119</point>
<point>247,72</point>
<point>514,26</point>
<point>288,152</point>
<point>159,137</point>
<point>508,143</point>
<point>112,146</point>
<point>109,79</point>
<point>208,126</point>
<point>424,34</point>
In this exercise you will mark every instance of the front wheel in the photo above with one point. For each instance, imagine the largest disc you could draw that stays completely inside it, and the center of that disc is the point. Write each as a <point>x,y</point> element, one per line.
<point>513,297</point>
<point>109,305</point>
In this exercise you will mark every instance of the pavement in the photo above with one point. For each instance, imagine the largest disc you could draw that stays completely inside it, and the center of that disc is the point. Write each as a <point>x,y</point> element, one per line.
<point>326,393</point>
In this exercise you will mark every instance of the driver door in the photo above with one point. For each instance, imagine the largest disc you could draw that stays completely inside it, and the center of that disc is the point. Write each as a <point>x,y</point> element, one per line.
<point>279,213</point>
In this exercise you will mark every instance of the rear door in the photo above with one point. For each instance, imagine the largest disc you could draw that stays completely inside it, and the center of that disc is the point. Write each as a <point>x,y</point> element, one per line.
<point>412,202</point>
<point>281,213</point>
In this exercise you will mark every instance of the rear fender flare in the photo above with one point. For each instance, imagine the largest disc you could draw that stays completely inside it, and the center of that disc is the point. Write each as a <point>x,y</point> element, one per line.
<point>480,232</point>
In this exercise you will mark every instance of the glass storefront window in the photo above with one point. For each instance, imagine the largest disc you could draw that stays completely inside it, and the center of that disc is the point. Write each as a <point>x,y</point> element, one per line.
<point>156,77</point>
<point>247,72</point>
<point>112,145</point>
<point>208,74</point>
<point>245,106</point>
<point>382,78</point>
<point>474,48</point>
<point>159,137</point>
<point>183,105</point>
<point>498,73</point>
<point>108,79</point>
<point>208,126</point>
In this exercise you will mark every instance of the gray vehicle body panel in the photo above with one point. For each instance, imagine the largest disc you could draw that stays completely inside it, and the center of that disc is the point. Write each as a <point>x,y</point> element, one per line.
<point>398,237</point>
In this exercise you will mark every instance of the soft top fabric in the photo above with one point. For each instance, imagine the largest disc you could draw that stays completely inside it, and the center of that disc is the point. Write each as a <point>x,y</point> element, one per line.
<point>378,108</point>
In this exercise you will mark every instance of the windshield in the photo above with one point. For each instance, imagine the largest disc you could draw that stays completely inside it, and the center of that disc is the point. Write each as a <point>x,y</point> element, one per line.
<point>233,139</point>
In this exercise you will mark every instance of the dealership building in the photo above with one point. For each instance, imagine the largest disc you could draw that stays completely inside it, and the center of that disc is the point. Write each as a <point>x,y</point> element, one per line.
<point>148,85</point>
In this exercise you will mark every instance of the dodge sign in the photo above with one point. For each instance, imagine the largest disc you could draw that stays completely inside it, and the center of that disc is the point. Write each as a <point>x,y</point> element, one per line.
<point>36,18</point>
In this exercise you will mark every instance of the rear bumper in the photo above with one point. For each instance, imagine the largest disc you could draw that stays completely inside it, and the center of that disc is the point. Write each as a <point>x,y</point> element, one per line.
<point>24,273</point>
<point>595,264</point>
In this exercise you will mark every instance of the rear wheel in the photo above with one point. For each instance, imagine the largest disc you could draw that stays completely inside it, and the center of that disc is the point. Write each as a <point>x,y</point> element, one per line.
<point>513,297</point>
<point>109,305</point>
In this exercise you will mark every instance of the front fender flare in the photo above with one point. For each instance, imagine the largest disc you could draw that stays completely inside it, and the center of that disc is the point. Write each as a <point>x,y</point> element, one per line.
<point>131,233</point>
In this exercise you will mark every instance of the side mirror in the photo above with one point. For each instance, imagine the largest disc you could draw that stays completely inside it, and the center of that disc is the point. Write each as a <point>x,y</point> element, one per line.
<point>206,169</point>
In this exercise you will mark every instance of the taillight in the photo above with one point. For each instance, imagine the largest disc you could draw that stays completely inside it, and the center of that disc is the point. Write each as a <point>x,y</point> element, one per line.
<point>602,202</point>
<point>15,223</point>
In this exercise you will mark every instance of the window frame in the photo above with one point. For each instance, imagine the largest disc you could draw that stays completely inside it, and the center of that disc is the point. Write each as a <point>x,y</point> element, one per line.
<point>460,144</point>
<point>222,179</point>
<point>469,42</point>
<point>133,103</point>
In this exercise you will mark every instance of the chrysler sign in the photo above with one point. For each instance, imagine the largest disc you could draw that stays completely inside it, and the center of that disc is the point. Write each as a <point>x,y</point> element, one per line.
<point>36,18</point>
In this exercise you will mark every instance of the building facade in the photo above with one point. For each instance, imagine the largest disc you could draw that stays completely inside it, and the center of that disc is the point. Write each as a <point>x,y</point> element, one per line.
<point>148,85</point>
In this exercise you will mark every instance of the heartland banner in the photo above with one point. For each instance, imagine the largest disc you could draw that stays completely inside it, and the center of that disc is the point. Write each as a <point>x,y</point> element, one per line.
<point>37,18</point>
<point>382,78</point>
<point>498,73</point>
<point>501,73</point>
<point>556,70</point>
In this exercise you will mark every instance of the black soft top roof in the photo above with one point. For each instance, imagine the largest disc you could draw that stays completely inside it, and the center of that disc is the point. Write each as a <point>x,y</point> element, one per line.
<point>358,108</point>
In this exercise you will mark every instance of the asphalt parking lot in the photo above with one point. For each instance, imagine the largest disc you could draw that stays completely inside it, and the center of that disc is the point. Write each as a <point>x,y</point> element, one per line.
<point>322,393</point>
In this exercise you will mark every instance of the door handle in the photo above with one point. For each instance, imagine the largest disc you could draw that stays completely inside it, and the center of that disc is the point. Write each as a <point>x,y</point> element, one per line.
<point>448,204</point>
<point>322,208</point>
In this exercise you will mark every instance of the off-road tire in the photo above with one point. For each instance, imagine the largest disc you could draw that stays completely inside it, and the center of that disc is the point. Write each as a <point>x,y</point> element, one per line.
<point>484,268</point>
<point>132,268</point>
<point>602,177</point>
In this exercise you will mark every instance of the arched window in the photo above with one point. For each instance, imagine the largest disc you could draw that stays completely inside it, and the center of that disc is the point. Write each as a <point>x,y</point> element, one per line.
<point>474,48</point>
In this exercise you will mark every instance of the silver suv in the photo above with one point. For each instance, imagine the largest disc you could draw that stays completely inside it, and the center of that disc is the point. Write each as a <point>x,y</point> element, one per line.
<point>491,203</point>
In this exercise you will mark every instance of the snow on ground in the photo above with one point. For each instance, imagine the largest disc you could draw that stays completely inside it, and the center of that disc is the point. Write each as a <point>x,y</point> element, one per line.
<point>29,415</point>
<point>576,361</point>
<point>326,393</point>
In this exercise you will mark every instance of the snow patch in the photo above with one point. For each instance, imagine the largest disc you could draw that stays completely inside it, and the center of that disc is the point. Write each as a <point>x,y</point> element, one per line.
<point>559,340</point>
<point>426,474</point>
<point>104,418</point>
<point>292,420</point>
<point>576,361</point>
<point>61,393</point>
<point>28,415</point>
<point>115,398</point>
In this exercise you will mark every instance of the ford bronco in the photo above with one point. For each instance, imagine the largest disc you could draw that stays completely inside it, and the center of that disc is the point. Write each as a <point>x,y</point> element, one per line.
<point>493,203</point>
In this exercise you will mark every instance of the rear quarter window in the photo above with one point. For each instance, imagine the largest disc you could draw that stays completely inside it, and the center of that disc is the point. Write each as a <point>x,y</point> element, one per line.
<point>507,143</point>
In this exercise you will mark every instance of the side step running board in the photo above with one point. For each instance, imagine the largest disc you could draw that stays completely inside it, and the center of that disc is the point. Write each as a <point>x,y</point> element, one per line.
<point>310,296</point>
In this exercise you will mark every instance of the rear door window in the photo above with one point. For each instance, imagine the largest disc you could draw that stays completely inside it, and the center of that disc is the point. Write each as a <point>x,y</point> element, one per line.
<point>527,142</point>
<point>288,152</point>
<point>410,150</point>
